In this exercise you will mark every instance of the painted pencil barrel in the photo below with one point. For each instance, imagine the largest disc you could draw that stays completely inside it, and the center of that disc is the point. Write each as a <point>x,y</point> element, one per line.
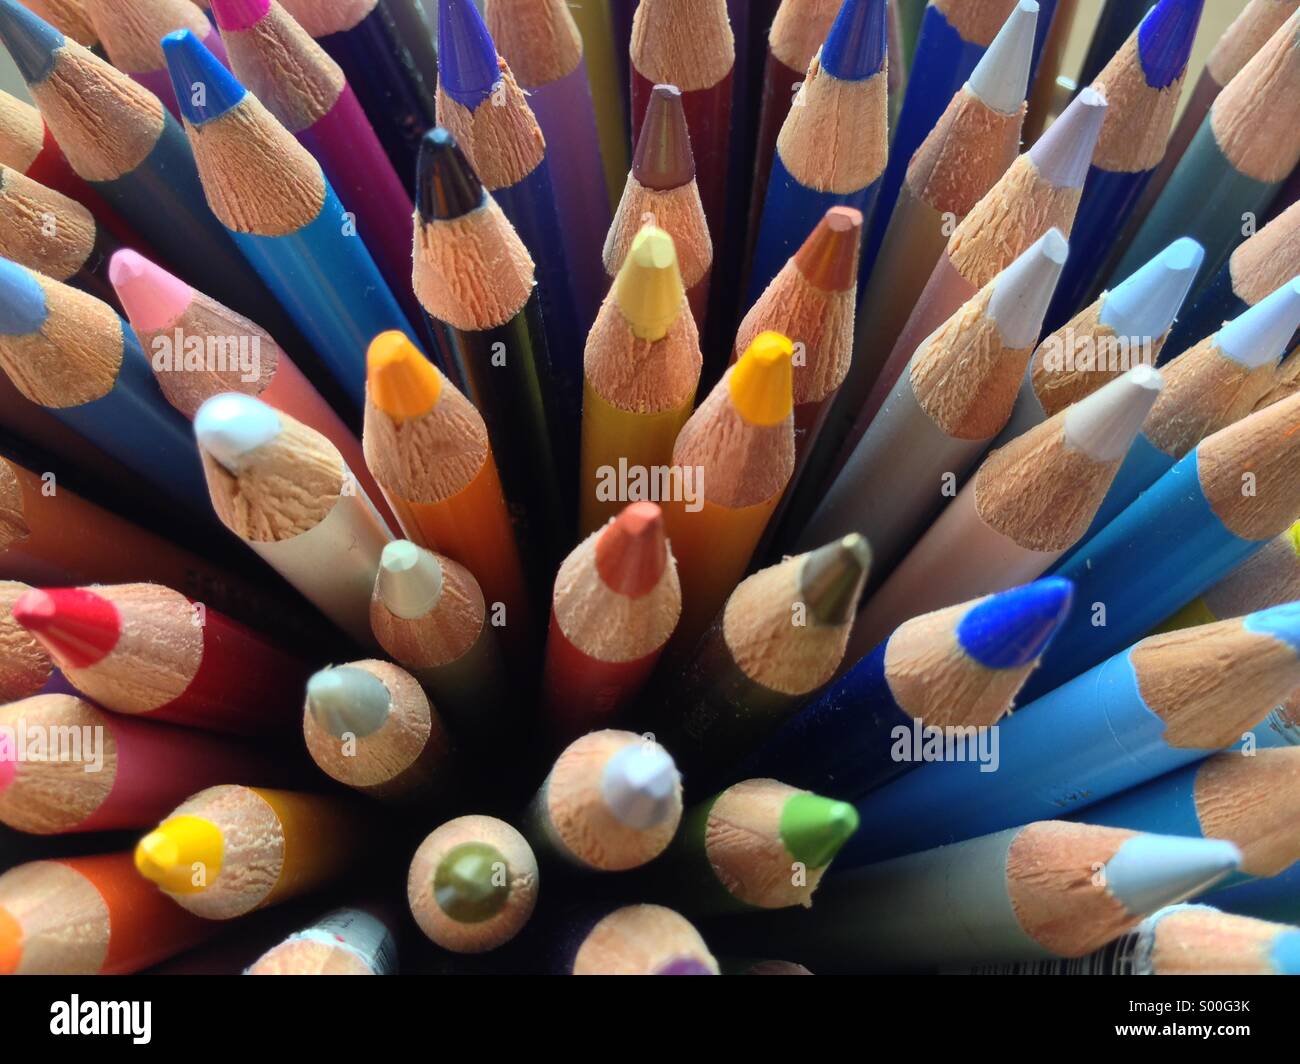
<point>1275,898</point>
<point>1216,304</point>
<point>342,942</point>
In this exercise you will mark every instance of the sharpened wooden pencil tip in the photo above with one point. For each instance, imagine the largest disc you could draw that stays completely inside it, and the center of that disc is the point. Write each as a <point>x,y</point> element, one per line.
<point>77,626</point>
<point>409,581</point>
<point>401,381</point>
<point>663,158</point>
<point>170,854</point>
<point>632,550</point>
<point>762,381</point>
<point>649,287</point>
<point>828,259</point>
<point>347,700</point>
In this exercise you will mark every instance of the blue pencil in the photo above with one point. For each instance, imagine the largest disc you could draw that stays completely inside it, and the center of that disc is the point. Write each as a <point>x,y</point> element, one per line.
<point>843,100</point>
<point>1275,898</point>
<point>958,666</point>
<point>1207,388</point>
<point>1166,702</point>
<point>74,356</point>
<point>1145,79</point>
<point>284,217</point>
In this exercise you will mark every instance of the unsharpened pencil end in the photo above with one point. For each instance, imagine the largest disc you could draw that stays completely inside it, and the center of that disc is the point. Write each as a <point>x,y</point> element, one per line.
<point>814,829</point>
<point>641,785</point>
<point>400,381</point>
<point>230,426</point>
<point>345,699</point>
<point>22,301</point>
<point>1285,953</point>
<point>466,883</point>
<point>1104,424</point>
<point>1149,872</point>
<point>409,580</point>
<point>832,577</point>
<point>31,41</point>
<point>856,43</point>
<point>1145,304</point>
<point>828,259</point>
<point>1281,622</point>
<point>1022,292</point>
<point>151,297</point>
<point>1064,153</point>
<point>1001,77</point>
<point>446,186</point>
<point>204,88</point>
<point>663,159</point>
<point>1010,629</point>
<point>649,288</point>
<point>182,855</point>
<point>467,57</point>
<point>632,550</point>
<point>1261,334</point>
<point>761,383</point>
<point>1165,39</point>
<point>77,626</point>
<point>238,14</point>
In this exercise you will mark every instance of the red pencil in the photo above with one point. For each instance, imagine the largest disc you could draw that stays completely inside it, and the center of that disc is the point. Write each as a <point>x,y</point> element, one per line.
<point>147,650</point>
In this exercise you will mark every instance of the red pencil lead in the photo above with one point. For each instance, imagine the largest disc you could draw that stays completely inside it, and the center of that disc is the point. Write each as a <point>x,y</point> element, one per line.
<point>76,626</point>
<point>632,551</point>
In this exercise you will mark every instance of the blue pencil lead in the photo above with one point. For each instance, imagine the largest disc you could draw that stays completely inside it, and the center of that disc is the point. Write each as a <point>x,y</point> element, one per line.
<point>1281,622</point>
<point>1286,953</point>
<point>1165,40</point>
<point>856,44</point>
<point>467,57</point>
<point>1262,334</point>
<point>30,39</point>
<point>22,303</point>
<point>1151,871</point>
<point>204,88</point>
<point>1011,628</point>
<point>1146,304</point>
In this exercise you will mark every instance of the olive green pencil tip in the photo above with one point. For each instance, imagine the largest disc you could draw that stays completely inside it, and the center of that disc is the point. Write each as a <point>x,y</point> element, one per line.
<point>814,828</point>
<point>472,882</point>
<point>832,578</point>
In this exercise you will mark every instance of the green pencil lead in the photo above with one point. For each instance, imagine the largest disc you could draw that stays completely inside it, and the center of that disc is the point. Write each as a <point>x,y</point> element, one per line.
<point>472,882</point>
<point>814,828</point>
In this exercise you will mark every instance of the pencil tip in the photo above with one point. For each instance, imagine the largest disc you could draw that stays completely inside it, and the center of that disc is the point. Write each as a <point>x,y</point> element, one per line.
<point>446,186</point>
<point>346,699</point>
<point>400,380</point>
<point>78,627</point>
<point>663,159</point>
<point>831,579</point>
<point>632,550</point>
<point>1022,292</point>
<point>1145,304</point>
<point>11,942</point>
<point>1165,38</point>
<point>169,855</point>
<point>1285,953</point>
<point>1064,153</point>
<point>1012,628</point>
<point>31,41</point>
<point>1151,871</point>
<point>828,259</point>
<point>466,885</point>
<point>238,14</point>
<point>1261,334</point>
<point>230,426</point>
<point>409,580</point>
<point>856,42</point>
<point>151,297</point>
<point>204,88</point>
<point>22,301</point>
<point>648,289</point>
<point>684,966</point>
<point>1281,622</point>
<point>1104,425</point>
<point>641,785</point>
<point>814,829</point>
<point>761,383</point>
<point>1001,77</point>
<point>467,56</point>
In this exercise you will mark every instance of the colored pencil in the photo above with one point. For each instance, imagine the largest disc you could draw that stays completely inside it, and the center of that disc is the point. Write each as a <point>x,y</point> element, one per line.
<point>661,190</point>
<point>342,942</point>
<point>1261,264</point>
<point>72,354</point>
<point>759,844</point>
<point>369,726</point>
<point>25,668</point>
<point>1181,940</point>
<point>130,33</point>
<point>746,966</point>
<point>608,81</point>
<point>386,50</point>
<point>955,396</point>
<point>842,102</point>
<point>641,370</point>
<point>490,333</point>
<point>275,201</point>
<point>1026,504</point>
<point>1166,702</point>
<point>689,43</point>
<point>612,801</point>
<point>123,924</point>
<point>732,462</point>
<point>285,490</point>
<point>428,614</point>
<point>472,884</point>
<point>780,638</point>
<point>616,602</point>
<point>1245,148</point>
<point>1277,898</point>
<point>957,667</point>
<point>1045,890</point>
<point>541,43</point>
<point>175,324</point>
<point>1129,324</point>
<point>633,940</point>
<point>69,17</point>
<point>227,851</point>
<point>1144,80</point>
<point>71,767</point>
<point>130,150</point>
<point>53,234</point>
